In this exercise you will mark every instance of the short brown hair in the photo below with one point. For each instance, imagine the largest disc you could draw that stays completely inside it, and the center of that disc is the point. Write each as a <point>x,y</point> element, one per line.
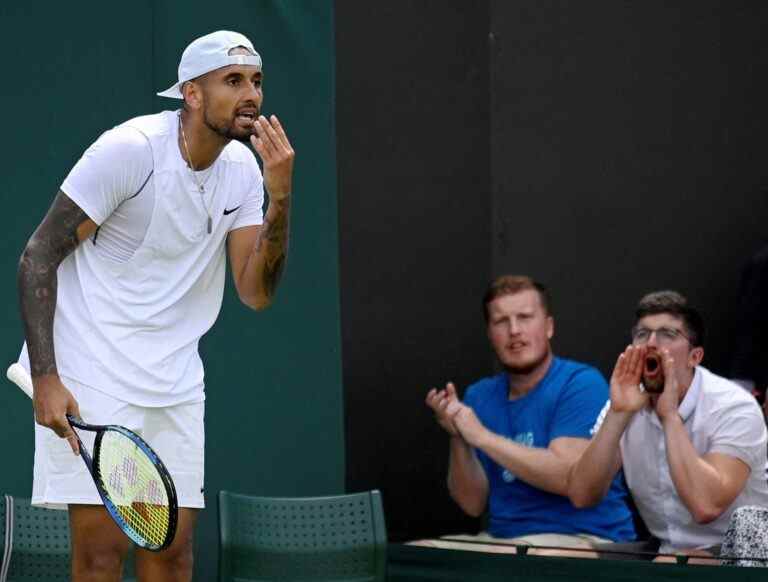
<point>674,304</point>
<point>511,284</point>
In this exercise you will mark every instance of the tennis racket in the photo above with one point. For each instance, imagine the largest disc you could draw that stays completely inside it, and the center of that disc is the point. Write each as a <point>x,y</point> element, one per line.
<point>133,483</point>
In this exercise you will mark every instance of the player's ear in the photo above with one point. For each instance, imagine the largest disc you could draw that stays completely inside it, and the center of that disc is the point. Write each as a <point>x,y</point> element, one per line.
<point>193,95</point>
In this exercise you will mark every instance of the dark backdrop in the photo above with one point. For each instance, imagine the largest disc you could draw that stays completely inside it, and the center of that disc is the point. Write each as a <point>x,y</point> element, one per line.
<point>627,153</point>
<point>414,211</point>
<point>413,159</point>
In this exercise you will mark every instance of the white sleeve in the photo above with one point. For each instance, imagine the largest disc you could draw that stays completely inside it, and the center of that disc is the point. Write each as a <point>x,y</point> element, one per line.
<point>252,212</point>
<point>739,431</point>
<point>112,170</point>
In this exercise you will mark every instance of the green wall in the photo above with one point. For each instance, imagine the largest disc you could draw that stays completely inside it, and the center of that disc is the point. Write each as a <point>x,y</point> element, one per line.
<point>274,415</point>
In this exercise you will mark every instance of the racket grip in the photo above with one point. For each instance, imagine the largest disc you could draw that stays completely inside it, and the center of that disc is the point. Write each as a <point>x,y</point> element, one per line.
<point>19,376</point>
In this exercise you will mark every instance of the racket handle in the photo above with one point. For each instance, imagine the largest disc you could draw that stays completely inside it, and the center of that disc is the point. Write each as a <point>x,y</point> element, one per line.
<point>19,376</point>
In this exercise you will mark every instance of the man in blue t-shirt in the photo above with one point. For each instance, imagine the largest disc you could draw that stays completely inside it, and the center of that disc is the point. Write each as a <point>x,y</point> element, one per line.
<point>517,434</point>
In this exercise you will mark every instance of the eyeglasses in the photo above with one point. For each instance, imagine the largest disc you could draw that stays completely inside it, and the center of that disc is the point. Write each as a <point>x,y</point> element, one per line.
<point>664,335</point>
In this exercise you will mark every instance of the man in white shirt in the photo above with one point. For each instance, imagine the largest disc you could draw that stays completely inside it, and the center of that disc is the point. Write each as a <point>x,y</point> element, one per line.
<point>692,444</point>
<point>130,260</point>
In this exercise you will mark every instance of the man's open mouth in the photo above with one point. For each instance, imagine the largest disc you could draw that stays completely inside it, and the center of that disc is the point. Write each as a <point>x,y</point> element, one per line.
<point>246,116</point>
<point>653,373</point>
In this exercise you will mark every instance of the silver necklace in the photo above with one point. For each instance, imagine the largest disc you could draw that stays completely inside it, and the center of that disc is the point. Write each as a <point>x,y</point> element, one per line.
<point>200,185</point>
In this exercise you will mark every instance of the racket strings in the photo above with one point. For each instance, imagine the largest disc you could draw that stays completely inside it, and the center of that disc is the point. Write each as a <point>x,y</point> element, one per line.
<point>135,487</point>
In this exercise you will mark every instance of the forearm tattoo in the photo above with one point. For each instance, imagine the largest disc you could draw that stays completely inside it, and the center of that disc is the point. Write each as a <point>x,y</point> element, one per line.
<point>54,239</point>
<point>273,242</point>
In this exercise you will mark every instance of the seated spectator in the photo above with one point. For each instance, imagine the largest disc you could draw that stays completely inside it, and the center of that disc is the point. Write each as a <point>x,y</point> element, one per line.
<point>692,444</point>
<point>516,435</point>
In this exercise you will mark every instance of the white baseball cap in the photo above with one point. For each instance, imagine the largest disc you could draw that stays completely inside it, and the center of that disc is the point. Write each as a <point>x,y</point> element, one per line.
<point>208,53</point>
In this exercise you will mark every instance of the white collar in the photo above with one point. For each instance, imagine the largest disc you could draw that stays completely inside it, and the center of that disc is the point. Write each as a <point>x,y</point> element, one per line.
<point>687,406</point>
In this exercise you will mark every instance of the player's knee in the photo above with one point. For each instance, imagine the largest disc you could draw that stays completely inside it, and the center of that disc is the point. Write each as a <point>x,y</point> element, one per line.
<point>94,560</point>
<point>179,555</point>
<point>178,558</point>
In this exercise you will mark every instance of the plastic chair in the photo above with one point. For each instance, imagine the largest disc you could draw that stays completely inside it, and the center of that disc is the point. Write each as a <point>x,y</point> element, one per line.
<point>35,543</point>
<point>339,538</point>
<point>746,537</point>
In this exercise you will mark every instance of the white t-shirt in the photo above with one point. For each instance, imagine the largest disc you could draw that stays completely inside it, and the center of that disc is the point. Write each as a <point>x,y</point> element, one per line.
<point>719,417</point>
<point>112,182</point>
<point>134,300</point>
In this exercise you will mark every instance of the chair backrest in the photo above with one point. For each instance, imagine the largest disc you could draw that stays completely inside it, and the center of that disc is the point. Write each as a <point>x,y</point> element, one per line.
<point>341,537</point>
<point>746,537</point>
<point>35,542</point>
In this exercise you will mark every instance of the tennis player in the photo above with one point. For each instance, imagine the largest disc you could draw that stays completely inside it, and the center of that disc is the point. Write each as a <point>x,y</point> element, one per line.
<point>125,274</point>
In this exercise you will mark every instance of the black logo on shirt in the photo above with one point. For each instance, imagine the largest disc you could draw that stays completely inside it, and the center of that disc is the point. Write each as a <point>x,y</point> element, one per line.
<point>230,210</point>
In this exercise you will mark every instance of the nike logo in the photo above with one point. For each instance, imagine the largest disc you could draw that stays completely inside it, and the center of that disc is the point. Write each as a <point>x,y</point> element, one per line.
<point>230,210</point>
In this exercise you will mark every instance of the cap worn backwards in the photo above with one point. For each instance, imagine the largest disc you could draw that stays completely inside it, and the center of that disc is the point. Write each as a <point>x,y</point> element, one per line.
<point>208,53</point>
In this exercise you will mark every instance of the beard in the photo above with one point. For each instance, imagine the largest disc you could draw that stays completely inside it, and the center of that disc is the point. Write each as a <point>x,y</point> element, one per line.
<point>528,367</point>
<point>229,131</point>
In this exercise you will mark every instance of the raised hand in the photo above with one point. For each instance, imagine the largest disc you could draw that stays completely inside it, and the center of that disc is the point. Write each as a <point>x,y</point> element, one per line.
<point>469,426</point>
<point>275,151</point>
<point>439,401</point>
<point>669,401</point>
<point>626,395</point>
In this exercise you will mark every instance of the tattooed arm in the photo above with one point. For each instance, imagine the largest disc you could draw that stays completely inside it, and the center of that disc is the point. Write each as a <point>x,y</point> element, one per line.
<point>63,227</point>
<point>258,253</point>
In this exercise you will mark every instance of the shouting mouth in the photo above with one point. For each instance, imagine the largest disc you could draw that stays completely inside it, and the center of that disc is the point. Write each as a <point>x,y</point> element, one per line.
<point>246,116</point>
<point>653,374</point>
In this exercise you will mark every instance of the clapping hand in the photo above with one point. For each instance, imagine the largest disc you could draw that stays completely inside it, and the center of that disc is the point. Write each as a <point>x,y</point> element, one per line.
<point>469,426</point>
<point>439,401</point>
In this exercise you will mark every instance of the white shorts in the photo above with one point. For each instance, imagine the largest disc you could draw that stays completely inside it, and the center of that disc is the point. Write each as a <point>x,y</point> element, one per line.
<point>175,433</point>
